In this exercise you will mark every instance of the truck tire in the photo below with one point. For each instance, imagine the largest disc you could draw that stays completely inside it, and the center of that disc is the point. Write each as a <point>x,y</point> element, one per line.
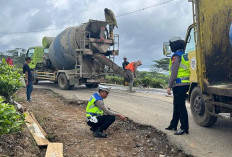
<point>91,85</point>
<point>198,109</point>
<point>63,82</point>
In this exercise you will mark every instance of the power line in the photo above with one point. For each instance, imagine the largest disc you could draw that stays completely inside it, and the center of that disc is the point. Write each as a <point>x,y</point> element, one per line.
<point>43,30</point>
<point>144,8</point>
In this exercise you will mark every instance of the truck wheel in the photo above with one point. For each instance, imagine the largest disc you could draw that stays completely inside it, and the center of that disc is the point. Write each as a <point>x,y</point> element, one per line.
<point>198,108</point>
<point>91,85</point>
<point>63,82</point>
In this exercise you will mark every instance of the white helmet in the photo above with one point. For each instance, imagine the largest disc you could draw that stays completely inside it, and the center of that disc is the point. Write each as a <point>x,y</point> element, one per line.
<point>105,88</point>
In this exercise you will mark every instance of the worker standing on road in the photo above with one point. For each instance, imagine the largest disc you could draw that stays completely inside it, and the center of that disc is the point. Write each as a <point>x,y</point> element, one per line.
<point>28,78</point>
<point>179,82</point>
<point>124,64</point>
<point>111,20</point>
<point>99,117</point>
<point>131,70</point>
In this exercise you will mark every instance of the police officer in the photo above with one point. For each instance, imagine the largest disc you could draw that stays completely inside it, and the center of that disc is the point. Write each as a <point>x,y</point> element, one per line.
<point>179,83</point>
<point>99,117</point>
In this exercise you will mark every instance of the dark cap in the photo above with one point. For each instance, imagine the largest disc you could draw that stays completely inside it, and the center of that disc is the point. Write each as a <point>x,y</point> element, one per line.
<point>28,58</point>
<point>106,9</point>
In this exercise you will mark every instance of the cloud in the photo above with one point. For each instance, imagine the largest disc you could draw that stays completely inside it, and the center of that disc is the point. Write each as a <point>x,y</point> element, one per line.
<point>141,34</point>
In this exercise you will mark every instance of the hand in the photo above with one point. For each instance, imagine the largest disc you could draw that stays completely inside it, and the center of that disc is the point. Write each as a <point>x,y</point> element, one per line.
<point>169,91</point>
<point>121,117</point>
<point>27,83</point>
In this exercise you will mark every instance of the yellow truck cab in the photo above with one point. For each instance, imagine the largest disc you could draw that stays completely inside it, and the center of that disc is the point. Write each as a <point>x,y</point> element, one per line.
<point>209,49</point>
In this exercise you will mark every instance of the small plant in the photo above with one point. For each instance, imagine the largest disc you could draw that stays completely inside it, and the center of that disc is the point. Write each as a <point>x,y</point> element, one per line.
<point>10,120</point>
<point>9,80</point>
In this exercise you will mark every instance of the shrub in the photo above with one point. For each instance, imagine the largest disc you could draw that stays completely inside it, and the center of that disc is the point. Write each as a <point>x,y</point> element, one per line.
<point>150,82</point>
<point>9,80</point>
<point>147,79</point>
<point>115,80</point>
<point>10,120</point>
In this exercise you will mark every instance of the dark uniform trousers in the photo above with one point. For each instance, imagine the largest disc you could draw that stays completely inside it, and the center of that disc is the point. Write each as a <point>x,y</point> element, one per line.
<point>180,111</point>
<point>103,122</point>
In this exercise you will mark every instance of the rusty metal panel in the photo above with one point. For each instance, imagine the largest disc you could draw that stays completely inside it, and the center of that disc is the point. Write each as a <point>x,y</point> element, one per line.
<point>215,50</point>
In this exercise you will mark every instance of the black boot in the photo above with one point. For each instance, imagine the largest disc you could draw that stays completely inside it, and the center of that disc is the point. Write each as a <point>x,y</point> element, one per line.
<point>171,128</point>
<point>92,129</point>
<point>181,132</point>
<point>99,134</point>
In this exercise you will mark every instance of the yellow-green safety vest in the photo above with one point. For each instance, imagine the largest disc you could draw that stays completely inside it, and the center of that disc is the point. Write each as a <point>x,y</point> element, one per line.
<point>183,74</point>
<point>91,109</point>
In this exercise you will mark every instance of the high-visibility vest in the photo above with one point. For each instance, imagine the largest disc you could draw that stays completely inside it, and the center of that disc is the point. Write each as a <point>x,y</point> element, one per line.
<point>183,71</point>
<point>91,109</point>
<point>130,67</point>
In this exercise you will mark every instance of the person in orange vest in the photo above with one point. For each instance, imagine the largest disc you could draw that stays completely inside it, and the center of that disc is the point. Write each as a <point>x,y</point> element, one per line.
<point>131,72</point>
<point>9,61</point>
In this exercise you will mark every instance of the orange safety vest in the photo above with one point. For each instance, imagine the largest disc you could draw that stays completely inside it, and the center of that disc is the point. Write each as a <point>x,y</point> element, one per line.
<point>130,67</point>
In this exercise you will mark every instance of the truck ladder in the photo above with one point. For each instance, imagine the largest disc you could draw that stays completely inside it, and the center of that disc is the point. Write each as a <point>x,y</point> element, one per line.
<point>82,49</point>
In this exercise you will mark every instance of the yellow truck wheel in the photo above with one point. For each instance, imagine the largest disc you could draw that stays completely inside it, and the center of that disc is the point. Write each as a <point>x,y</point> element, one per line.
<point>198,108</point>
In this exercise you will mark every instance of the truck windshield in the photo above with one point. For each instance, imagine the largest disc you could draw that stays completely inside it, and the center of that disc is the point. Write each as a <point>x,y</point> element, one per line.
<point>190,47</point>
<point>30,52</point>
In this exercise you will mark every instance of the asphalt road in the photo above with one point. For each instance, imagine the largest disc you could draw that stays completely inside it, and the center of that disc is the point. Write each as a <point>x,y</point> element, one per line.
<point>152,107</point>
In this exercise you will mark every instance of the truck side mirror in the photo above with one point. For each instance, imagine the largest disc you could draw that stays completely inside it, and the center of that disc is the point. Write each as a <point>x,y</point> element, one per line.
<point>166,49</point>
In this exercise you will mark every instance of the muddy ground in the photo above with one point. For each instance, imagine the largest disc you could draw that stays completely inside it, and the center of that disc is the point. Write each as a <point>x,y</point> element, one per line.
<point>64,121</point>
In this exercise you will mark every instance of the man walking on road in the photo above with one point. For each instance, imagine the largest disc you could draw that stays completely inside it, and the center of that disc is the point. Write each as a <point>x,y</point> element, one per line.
<point>179,82</point>
<point>28,78</point>
<point>131,73</point>
<point>111,20</point>
<point>99,117</point>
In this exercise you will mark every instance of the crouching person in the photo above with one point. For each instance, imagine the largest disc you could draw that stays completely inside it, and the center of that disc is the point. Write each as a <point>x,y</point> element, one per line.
<point>99,117</point>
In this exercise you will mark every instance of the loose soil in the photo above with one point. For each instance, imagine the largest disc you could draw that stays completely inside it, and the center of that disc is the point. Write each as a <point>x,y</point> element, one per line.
<point>64,121</point>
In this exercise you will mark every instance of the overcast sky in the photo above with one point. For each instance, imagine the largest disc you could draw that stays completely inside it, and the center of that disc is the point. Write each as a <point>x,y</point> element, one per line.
<point>141,34</point>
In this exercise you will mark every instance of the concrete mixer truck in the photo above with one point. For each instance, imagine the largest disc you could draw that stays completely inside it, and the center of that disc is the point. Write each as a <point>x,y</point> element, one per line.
<point>78,55</point>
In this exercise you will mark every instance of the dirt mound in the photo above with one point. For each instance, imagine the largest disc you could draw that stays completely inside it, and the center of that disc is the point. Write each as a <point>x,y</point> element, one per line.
<point>64,121</point>
<point>20,145</point>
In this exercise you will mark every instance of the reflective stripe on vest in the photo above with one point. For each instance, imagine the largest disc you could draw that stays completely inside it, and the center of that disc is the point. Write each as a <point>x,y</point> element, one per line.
<point>183,71</point>
<point>91,109</point>
<point>130,67</point>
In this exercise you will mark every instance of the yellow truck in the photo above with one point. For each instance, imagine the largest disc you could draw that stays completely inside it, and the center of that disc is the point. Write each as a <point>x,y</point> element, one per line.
<point>209,48</point>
